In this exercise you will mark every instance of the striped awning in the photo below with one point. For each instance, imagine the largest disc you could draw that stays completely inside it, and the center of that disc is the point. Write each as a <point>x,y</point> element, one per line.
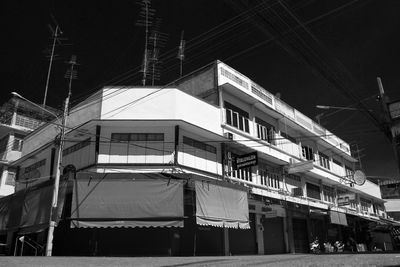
<point>221,206</point>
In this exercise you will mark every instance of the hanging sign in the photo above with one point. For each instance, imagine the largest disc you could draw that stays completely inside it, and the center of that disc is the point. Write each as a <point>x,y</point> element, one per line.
<point>244,161</point>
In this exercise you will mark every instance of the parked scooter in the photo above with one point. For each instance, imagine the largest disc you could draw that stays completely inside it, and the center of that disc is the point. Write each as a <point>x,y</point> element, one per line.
<point>314,246</point>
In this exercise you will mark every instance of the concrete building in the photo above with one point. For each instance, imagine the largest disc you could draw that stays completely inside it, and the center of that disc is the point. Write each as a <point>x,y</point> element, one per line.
<point>212,164</point>
<point>17,119</point>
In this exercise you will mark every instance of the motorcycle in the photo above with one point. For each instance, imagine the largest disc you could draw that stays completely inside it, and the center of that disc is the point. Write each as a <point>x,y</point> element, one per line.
<point>314,246</point>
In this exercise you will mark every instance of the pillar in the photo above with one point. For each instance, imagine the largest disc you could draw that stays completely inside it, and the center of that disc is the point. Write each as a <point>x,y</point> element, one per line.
<point>259,234</point>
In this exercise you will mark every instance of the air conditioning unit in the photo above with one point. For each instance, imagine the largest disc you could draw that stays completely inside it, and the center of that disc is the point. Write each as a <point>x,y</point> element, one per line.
<point>297,192</point>
<point>229,135</point>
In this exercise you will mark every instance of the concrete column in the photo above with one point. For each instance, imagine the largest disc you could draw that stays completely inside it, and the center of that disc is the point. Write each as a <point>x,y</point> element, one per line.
<point>226,241</point>
<point>286,233</point>
<point>259,234</point>
<point>289,231</point>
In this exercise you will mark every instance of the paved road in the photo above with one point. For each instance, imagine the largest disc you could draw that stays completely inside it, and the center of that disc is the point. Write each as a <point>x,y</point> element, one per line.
<point>268,260</point>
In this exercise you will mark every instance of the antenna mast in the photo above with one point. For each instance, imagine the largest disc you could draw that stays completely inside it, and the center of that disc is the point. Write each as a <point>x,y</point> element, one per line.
<point>56,34</point>
<point>146,13</point>
<point>181,53</point>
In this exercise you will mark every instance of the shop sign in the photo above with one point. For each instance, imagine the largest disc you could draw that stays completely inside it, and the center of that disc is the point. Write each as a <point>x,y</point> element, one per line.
<point>245,161</point>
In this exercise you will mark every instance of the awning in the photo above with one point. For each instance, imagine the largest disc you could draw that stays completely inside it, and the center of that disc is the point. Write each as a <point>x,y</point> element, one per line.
<point>338,218</point>
<point>126,200</point>
<point>28,210</point>
<point>221,206</point>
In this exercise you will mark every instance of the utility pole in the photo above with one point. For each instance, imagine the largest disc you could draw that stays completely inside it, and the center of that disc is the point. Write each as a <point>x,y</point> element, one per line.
<point>71,74</point>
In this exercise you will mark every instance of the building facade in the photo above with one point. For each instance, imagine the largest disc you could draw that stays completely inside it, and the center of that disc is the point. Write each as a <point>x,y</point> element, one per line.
<point>212,164</point>
<point>17,119</point>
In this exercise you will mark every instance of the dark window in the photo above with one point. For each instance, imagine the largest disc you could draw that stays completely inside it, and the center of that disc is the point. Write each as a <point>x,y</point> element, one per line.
<point>307,152</point>
<point>265,131</point>
<point>199,145</point>
<point>17,144</point>
<point>137,137</point>
<point>10,180</point>
<point>76,147</point>
<point>237,117</point>
<point>3,144</point>
<point>35,165</point>
<point>313,191</point>
<point>323,160</point>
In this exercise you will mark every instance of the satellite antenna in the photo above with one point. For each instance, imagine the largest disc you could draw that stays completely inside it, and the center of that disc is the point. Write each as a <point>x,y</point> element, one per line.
<point>359,177</point>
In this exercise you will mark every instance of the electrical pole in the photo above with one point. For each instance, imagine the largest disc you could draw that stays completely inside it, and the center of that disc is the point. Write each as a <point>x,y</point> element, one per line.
<point>71,74</point>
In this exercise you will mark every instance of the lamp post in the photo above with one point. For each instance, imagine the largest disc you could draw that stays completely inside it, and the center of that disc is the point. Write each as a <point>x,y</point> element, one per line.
<point>54,204</point>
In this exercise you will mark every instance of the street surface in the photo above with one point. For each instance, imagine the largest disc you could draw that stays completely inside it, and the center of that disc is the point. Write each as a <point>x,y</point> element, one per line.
<point>257,260</point>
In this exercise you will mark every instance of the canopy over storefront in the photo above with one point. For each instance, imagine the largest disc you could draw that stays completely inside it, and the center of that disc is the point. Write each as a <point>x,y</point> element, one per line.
<point>221,206</point>
<point>126,200</point>
<point>28,211</point>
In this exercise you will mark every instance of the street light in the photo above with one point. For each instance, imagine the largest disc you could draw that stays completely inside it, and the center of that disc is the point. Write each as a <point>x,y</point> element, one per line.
<point>53,210</point>
<point>333,107</point>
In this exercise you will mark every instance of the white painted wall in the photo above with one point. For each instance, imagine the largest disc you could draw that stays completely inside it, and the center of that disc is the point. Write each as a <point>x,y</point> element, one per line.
<point>136,152</point>
<point>370,188</point>
<point>159,104</point>
<point>392,205</point>
<point>83,112</point>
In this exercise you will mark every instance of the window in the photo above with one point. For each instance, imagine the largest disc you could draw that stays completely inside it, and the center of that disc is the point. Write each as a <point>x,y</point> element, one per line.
<point>76,147</point>
<point>265,131</point>
<point>349,171</point>
<point>307,152</point>
<point>35,165</point>
<point>10,180</point>
<point>237,117</point>
<point>365,204</point>
<point>323,160</point>
<point>199,145</point>
<point>135,137</point>
<point>313,191</point>
<point>270,179</point>
<point>17,144</point>
<point>329,194</point>
<point>3,144</point>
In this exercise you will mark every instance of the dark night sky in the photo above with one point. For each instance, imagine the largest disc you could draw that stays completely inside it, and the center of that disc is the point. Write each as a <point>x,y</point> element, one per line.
<point>103,34</point>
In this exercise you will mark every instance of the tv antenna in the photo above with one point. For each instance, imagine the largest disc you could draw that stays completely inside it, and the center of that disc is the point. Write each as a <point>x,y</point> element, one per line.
<point>181,54</point>
<point>146,14</point>
<point>56,32</point>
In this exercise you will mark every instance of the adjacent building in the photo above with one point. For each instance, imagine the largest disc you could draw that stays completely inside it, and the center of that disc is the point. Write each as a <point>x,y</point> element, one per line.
<point>213,164</point>
<point>17,119</point>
